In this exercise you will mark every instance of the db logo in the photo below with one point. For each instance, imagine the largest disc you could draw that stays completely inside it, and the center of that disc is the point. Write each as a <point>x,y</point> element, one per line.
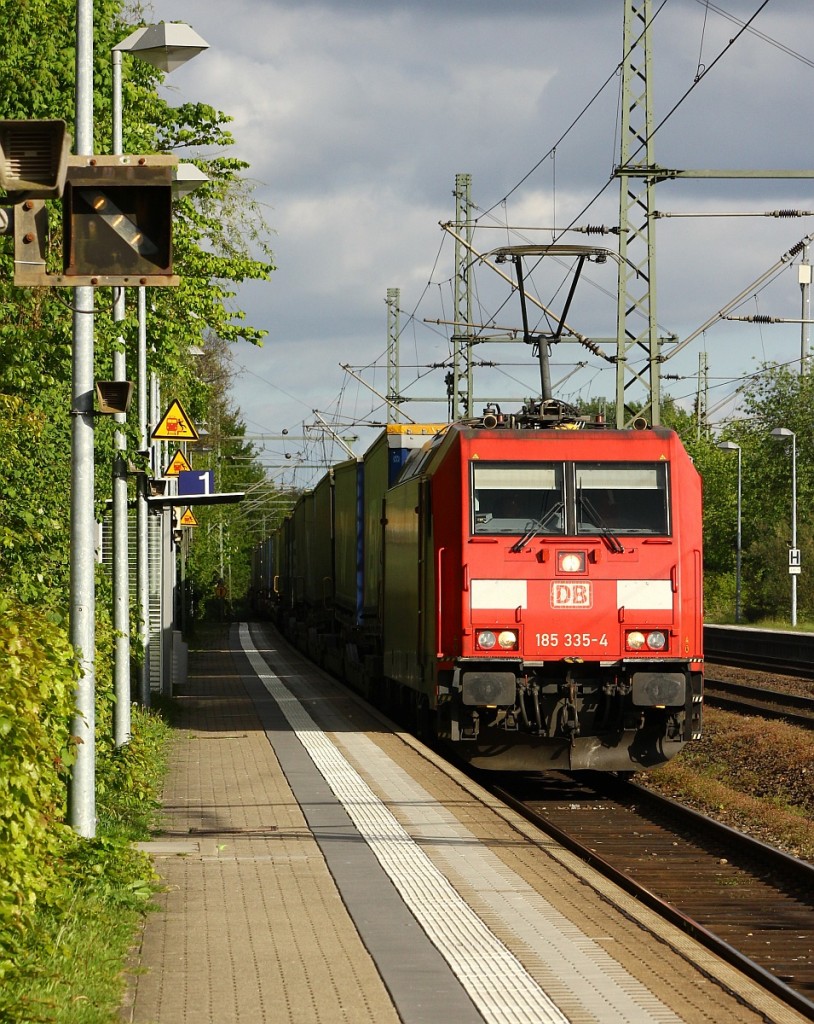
<point>571,595</point>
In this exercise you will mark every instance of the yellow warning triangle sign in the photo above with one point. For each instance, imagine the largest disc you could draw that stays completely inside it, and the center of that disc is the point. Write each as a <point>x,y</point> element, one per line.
<point>175,426</point>
<point>177,463</point>
<point>188,519</point>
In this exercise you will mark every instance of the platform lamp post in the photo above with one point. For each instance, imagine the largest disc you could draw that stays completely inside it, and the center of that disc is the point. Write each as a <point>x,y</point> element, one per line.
<point>166,47</point>
<point>794,554</point>
<point>82,794</point>
<point>730,446</point>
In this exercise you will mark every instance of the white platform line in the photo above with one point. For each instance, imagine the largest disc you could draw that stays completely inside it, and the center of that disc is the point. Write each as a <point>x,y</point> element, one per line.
<point>501,988</point>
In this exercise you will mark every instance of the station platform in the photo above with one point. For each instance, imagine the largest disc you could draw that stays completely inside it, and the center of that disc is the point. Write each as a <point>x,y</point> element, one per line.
<point>319,865</point>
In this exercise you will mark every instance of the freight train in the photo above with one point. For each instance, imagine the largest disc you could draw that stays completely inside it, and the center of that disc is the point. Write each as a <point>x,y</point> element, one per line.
<point>525,587</point>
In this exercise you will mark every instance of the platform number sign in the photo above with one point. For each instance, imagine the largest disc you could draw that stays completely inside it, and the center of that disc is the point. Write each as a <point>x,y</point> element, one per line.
<point>196,481</point>
<point>795,562</point>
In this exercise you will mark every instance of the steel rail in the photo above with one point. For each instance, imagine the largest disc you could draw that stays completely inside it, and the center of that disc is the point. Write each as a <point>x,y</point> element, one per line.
<point>778,859</point>
<point>766,703</point>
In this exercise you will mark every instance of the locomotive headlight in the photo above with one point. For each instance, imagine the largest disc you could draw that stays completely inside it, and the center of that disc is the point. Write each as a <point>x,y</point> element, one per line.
<point>507,639</point>
<point>636,640</point>
<point>571,561</point>
<point>652,640</point>
<point>485,639</point>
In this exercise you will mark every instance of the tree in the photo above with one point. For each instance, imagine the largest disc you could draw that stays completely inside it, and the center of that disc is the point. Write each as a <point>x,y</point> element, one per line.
<point>220,240</point>
<point>220,547</point>
<point>774,398</point>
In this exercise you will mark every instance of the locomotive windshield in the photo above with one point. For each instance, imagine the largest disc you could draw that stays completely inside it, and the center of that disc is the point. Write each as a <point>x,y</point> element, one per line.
<point>514,497</point>
<point>581,498</point>
<point>622,497</point>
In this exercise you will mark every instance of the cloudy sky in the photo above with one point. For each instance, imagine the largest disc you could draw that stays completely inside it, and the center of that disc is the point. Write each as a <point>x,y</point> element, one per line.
<point>356,115</point>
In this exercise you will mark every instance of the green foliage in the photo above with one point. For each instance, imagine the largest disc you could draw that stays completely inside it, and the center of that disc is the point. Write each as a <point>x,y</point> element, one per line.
<point>33,513</point>
<point>129,779</point>
<point>37,680</point>
<point>775,398</point>
<point>221,239</point>
<point>51,881</point>
<point>221,545</point>
<point>64,965</point>
<point>70,973</point>
<point>220,236</point>
<point>60,893</point>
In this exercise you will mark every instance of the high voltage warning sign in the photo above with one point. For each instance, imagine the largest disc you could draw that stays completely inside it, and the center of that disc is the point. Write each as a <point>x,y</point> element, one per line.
<point>178,463</point>
<point>188,518</point>
<point>176,425</point>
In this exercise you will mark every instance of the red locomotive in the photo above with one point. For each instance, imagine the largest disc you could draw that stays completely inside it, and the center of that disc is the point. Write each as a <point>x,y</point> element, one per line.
<point>528,588</point>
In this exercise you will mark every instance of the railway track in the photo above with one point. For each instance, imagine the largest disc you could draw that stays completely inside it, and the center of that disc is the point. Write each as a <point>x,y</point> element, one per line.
<point>768,703</point>
<point>749,903</point>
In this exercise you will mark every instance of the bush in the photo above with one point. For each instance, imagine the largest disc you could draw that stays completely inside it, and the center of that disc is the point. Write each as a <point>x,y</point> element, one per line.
<point>68,906</point>
<point>37,682</point>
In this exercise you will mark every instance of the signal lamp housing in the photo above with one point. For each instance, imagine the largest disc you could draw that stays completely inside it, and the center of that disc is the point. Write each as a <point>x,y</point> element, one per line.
<point>33,158</point>
<point>117,220</point>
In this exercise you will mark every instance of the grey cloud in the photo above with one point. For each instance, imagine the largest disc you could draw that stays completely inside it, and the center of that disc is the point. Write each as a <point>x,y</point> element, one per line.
<point>356,116</point>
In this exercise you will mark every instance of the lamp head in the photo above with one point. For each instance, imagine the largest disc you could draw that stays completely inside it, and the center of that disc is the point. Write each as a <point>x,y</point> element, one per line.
<point>165,46</point>
<point>186,178</point>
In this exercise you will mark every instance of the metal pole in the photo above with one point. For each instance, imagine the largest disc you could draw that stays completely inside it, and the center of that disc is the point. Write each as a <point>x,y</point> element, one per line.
<point>738,547</point>
<point>82,802</point>
<point>393,331</point>
<point>121,554</point>
<point>142,521</point>
<point>167,599</point>
<point>794,524</point>
<point>462,398</point>
<point>158,636</point>
<point>636,322</point>
<point>730,446</point>
<point>805,291</point>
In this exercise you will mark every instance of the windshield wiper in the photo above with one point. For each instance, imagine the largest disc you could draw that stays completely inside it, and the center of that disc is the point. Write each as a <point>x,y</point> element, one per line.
<point>537,525</point>
<point>612,540</point>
